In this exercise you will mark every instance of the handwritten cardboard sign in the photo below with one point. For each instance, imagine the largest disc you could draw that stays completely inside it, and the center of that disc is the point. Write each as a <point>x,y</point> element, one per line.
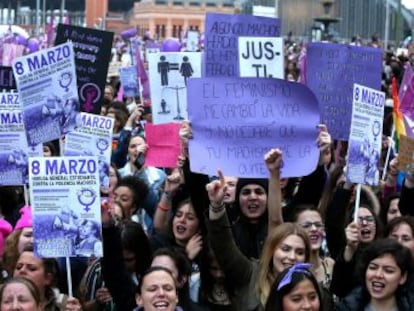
<point>332,70</point>
<point>406,154</point>
<point>221,40</point>
<point>235,121</point>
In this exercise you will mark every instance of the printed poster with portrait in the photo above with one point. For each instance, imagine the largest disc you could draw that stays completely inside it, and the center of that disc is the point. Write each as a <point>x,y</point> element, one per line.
<point>66,206</point>
<point>14,150</point>
<point>365,137</point>
<point>169,75</point>
<point>93,138</point>
<point>46,81</point>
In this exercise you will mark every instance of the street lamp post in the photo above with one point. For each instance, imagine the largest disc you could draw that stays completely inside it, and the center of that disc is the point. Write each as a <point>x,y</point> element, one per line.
<point>37,17</point>
<point>62,10</point>
<point>387,24</point>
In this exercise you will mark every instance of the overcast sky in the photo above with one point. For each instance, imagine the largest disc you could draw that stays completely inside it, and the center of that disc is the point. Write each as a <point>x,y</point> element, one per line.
<point>408,3</point>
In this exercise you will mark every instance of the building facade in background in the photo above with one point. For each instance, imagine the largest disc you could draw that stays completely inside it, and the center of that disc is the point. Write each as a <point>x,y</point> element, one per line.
<point>362,18</point>
<point>171,18</point>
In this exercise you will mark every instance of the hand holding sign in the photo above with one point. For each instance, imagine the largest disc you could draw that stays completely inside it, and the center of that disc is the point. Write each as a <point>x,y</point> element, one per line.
<point>185,132</point>
<point>235,121</point>
<point>324,142</point>
<point>352,233</point>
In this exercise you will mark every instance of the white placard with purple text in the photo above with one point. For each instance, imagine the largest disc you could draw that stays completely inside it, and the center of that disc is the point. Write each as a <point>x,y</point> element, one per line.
<point>14,151</point>
<point>46,81</point>
<point>365,137</point>
<point>66,206</point>
<point>93,138</point>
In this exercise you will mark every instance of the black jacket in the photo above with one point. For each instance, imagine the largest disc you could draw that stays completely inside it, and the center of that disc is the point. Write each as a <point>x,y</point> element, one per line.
<point>359,298</point>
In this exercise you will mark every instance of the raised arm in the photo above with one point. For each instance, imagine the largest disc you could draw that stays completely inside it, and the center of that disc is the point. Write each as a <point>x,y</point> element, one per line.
<point>116,276</point>
<point>235,265</point>
<point>119,154</point>
<point>311,186</point>
<point>390,184</point>
<point>195,183</point>
<point>273,160</point>
<point>161,217</point>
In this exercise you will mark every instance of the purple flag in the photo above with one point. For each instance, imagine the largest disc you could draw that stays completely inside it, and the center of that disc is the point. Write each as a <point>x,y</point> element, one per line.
<point>142,73</point>
<point>302,65</point>
<point>332,70</point>
<point>221,40</point>
<point>235,121</point>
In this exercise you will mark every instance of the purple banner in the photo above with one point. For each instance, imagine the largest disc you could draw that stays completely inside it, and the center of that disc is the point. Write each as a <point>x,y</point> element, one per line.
<point>221,40</point>
<point>235,121</point>
<point>332,70</point>
<point>406,96</point>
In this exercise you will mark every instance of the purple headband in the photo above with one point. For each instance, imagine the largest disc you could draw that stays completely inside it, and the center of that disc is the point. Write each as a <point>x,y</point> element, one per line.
<point>299,268</point>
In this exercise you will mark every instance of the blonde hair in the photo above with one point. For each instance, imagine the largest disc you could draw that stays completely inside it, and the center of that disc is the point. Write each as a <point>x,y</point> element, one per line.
<point>266,275</point>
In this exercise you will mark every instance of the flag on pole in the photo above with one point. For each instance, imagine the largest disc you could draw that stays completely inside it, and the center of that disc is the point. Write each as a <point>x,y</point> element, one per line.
<point>142,74</point>
<point>397,114</point>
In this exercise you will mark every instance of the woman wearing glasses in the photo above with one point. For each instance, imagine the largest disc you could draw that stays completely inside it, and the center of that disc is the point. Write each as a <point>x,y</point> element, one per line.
<point>359,234</point>
<point>310,219</point>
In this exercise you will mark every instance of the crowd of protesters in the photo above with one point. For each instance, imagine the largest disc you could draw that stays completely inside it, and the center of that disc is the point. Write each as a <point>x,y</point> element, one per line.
<point>177,240</point>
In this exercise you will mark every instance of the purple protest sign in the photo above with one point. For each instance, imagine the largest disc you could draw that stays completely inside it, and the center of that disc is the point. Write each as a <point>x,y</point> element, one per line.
<point>221,40</point>
<point>235,121</point>
<point>332,70</point>
<point>406,96</point>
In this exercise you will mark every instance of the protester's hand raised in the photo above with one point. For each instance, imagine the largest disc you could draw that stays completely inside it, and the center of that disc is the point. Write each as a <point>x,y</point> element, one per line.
<point>324,142</point>
<point>352,233</point>
<point>393,168</point>
<point>107,219</point>
<point>173,181</point>
<point>216,191</point>
<point>135,115</point>
<point>186,132</point>
<point>273,160</point>
<point>73,304</point>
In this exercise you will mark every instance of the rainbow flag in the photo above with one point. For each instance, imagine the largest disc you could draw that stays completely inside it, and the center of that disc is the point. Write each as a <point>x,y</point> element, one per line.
<point>398,117</point>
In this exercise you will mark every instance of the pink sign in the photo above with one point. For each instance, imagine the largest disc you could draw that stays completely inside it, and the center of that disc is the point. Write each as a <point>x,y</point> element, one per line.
<point>164,144</point>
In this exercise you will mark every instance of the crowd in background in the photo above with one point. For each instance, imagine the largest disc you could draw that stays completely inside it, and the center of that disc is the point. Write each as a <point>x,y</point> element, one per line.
<point>176,240</point>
